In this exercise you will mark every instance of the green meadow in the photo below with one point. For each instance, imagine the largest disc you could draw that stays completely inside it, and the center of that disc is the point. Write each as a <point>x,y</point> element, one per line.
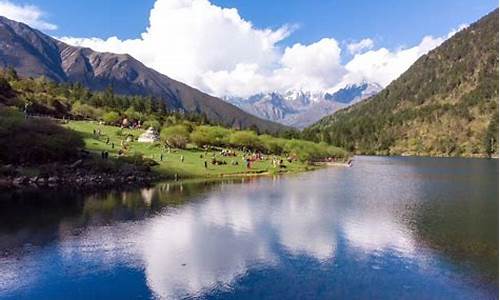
<point>170,161</point>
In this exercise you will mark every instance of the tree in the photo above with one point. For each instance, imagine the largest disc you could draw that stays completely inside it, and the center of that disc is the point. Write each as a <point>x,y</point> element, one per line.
<point>152,123</point>
<point>272,145</point>
<point>132,114</point>
<point>210,135</point>
<point>111,117</point>
<point>246,139</point>
<point>491,138</point>
<point>85,110</point>
<point>176,136</point>
<point>11,74</point>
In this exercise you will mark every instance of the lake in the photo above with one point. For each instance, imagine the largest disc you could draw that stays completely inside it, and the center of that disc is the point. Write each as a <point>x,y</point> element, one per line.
<point>386,228</point>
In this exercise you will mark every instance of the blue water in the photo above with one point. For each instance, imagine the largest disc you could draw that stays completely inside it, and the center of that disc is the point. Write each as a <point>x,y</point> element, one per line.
<point>387,228</point>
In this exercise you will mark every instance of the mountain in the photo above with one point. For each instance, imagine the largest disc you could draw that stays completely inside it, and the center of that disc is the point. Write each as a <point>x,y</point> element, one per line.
<point>445,104</point>
<point>301,109</point>
<point>33,54</point>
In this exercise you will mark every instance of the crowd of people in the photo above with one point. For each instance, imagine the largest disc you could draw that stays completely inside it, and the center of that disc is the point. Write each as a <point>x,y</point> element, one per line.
<point>212,155</point>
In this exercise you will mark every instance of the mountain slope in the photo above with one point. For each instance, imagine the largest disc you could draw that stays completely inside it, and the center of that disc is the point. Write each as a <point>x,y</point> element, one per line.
<point>444,104</point>
<point>301,109</point>
<point>35,54</point>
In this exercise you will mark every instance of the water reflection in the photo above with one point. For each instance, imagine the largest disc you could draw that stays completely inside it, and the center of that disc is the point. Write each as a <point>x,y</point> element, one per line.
<point>372,225</point>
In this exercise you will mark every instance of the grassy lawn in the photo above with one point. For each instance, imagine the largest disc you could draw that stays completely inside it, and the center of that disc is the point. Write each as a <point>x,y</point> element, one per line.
<point>194,158</point>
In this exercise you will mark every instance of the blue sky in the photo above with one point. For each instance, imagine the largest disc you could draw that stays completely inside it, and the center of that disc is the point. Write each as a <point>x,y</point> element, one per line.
<point>392,23</point>
<point>258,45</point>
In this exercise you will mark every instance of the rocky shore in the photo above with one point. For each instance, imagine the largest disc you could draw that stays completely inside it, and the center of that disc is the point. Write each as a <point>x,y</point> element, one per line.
<point>76,176</point>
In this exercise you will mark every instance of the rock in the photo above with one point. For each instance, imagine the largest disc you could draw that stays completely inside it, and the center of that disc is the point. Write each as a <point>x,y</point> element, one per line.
<point>76,163</point>
<point>18,181</point>
<point>53,180</point>
<point>5,183</point>
<point>41,181</point>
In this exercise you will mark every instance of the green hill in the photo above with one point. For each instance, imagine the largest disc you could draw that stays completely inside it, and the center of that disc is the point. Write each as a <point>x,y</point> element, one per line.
<point>446,104</point>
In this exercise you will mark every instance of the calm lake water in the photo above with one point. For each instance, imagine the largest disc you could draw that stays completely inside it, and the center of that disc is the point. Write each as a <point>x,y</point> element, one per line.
<point>387,228</point>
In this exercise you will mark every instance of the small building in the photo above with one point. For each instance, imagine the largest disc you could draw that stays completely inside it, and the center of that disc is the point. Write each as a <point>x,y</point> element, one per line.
<point>150,136</point>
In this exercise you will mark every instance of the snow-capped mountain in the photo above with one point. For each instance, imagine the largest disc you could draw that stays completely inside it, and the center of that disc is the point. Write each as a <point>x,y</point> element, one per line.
<point>301,109</point>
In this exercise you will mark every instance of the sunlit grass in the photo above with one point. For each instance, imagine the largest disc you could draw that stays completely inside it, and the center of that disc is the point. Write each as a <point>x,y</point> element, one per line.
<point>171,164</point>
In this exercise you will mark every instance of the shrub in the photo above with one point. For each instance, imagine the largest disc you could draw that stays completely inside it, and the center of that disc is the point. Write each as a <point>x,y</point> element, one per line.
<point>111,117</point>
<point>210,136</point>
<point>310,151</point>
<point>132,114</point>
<point>246,139</point>
<point>152,123</point>
<point>176,136</point>
<point>35,140</point>
<point>272,145</point>
<point>85,111</point>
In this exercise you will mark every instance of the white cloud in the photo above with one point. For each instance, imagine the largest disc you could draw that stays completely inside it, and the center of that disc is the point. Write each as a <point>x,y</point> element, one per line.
<point>382,65</point>
<point>364,44</point>
<point>28,14</point>
<point>217,51</point>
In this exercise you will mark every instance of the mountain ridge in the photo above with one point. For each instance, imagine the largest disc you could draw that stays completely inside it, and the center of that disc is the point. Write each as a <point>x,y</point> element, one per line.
<point>445,104</point>
<point>33,54</point>
<point>302,108</point>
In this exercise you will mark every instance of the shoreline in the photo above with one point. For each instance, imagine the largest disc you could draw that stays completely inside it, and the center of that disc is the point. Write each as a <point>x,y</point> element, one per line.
<point>88,180</point>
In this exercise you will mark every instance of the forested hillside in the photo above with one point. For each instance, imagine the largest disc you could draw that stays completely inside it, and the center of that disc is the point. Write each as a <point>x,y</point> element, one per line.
<point>446,104</point>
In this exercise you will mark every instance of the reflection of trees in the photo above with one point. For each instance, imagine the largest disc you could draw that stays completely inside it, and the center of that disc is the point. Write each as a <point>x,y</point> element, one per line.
<point>33,217</point>
<point>465,231</point>
<point>38,217</point>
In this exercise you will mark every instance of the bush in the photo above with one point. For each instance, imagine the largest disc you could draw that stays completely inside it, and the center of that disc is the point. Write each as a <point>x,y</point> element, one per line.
<point>35,140</point>
<point>272,145</point>
<point>111,117</point>
<point>246,139</point>
<point>310,151</point>
<point>85,111</point>
<point>175,136</point>
<point>210,136</point>
<point>132,114</point>
<point>152,123</point>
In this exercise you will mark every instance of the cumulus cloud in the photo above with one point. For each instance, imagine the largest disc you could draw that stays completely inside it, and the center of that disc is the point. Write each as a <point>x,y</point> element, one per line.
<point>358,47</point>
<point>219,52</point>
<point>382,65</point>
<point>28,14</point>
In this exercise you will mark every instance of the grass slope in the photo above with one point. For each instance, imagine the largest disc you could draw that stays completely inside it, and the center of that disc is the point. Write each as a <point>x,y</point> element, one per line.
<point>446,104</point>
<point>193,165</point>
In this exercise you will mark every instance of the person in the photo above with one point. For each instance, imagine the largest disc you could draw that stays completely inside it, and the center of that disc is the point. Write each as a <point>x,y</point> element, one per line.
<point>161,156</point>
<point>26,106</point>
<point>93,132</point>
<point>206,165</point>
<point>107,140</point>
<point>182,158</point>
<point>248,164</point>
<point>112,145</point>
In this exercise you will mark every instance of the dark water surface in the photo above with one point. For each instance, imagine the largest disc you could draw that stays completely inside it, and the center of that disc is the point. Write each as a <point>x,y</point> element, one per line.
<point>387,228</point>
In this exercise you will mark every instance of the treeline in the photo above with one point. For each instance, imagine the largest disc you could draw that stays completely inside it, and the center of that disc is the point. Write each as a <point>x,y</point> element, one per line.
<point>43,97</point>
<point>72,100</point>
<point>46,97</point>
<point>203,136</point>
